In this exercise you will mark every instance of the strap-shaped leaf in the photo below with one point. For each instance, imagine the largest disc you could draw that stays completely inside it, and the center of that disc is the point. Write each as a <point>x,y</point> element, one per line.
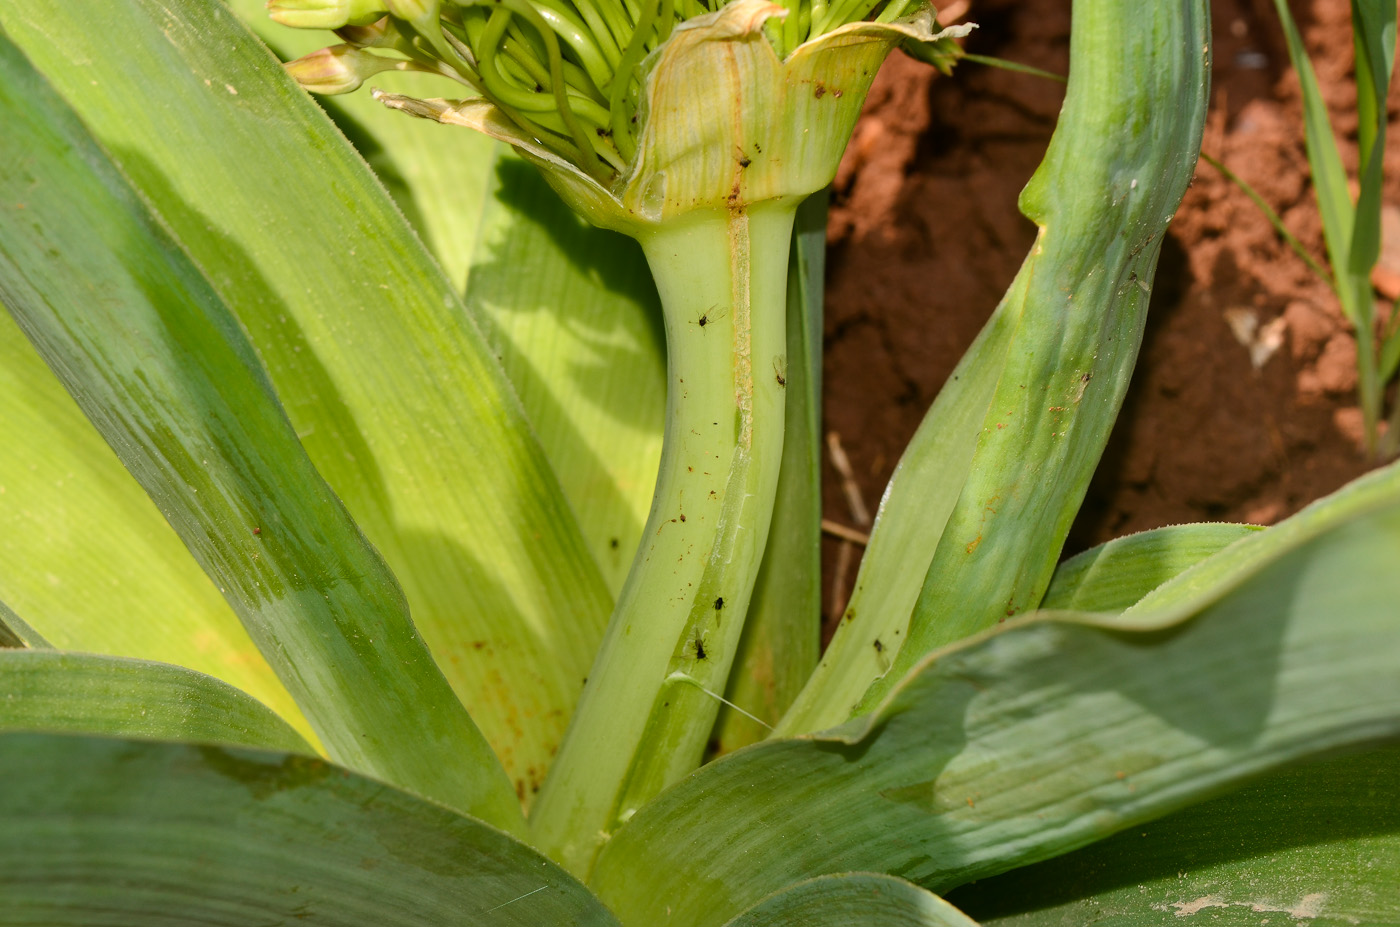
<point>915,507</point>
<point>110,832</point>
<point>18,633</point>
<point>1115,575</point>
<point>1122,155</point>
<point>45,690</point>
<point>1044,735</point>
<point>162,369</point>
<point>437,178</point>
<point>851,899</point>
<point>87,557</point>
<point>388,382</point>
<point>575,318</point>
<point>1328,176</point>
<point>1317,845</point>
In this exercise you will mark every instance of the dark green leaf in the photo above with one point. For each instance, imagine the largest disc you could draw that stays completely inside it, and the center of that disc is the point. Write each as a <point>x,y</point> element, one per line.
<point>111,833</point>
<point>852,899</point>
<point>1318,845</point>
<point>1113,576</point>
<point>44,690</point>
<point>1046,734</point>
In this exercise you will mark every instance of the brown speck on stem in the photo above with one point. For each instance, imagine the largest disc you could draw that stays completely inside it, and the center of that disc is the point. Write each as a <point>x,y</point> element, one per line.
<point>257,531</point>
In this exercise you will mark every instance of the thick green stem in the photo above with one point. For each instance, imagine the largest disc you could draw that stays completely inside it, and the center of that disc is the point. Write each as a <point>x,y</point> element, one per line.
<point>650,701</point>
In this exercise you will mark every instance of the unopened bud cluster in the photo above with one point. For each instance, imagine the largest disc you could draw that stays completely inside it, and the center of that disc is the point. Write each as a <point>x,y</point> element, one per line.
<point>569,74</point>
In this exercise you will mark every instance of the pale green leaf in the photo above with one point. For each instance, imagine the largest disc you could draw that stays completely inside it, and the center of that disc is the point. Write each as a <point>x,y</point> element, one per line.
<point>1198,586</point>
<point>782,633</point>
<point>569,309</point>
<point>159,365</point>
<point>88,558</point>
<point>851,899</point>
<point>111,833</point>
<point>1115,575</point>
<point>908,524</point>
<point>1318,845</point>
<point>388,382</point>
<point>1043,735</point>
<point>437,177</point>
<point>1122,155</point>
<point>986,493</point>
<point>575,318</point>
<point>45,690</point>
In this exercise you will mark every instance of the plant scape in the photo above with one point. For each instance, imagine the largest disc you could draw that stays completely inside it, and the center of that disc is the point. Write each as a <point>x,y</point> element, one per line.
<point>318,605</point>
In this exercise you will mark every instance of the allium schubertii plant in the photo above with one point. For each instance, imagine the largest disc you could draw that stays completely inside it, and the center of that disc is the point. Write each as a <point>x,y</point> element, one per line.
<point>359,643</point>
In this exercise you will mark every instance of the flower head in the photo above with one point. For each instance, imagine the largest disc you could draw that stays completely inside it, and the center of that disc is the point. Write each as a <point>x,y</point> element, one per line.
<point>638,109</point>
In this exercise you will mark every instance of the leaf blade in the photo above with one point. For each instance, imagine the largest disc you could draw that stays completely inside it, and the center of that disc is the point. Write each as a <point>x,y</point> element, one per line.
<point>88,557</point>
<point>100,831</point>
<point>46,690</point>
<point>1320,843</point>
<point>1116,575</point>
<point>853,898</point>
<point>159,365</point>
<point>575,318</point>
<point>1044,735</point>
<point>387,380</point>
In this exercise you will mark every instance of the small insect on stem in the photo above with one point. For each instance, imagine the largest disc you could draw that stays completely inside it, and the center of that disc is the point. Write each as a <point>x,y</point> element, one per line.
<point>712,314</point>
<point>780,371</point>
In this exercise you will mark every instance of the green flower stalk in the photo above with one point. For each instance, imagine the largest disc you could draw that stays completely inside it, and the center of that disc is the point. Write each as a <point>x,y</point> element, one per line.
<point>697,129</point>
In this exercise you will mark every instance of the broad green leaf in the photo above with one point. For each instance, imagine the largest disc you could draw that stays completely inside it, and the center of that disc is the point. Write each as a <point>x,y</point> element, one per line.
<point>1113,576</point>
<point>575,318</point>
<point>1318,845</point>
<point>853,898</point>
<point>45,690</point>
<point>1197,586</point>
<point>1043,735</point>
<point>387,380</point>
<point>89,559</point>
<point>160,366</point>
<point>916,504</point>
<point>986,492</point>
<point>1120,160</point>
<point>782,633</point>
<point>110,832</point>
<point>569,309</point>
<point>437,178</point>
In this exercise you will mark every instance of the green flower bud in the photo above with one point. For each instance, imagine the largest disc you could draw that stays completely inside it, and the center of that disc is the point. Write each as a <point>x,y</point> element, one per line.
<point>325,14</point>
<point>338,69</point>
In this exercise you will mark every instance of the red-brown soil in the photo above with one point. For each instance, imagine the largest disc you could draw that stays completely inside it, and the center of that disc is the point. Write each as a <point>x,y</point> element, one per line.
<point>926,236</point>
